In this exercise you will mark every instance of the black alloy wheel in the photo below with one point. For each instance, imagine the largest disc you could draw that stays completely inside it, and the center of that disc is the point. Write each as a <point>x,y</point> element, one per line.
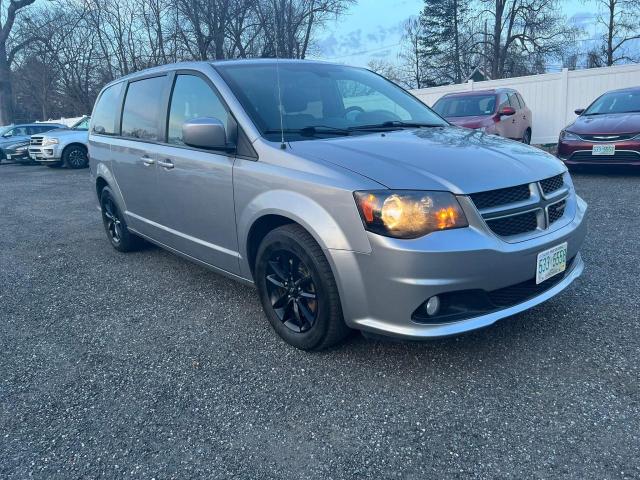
<point>115,226</point>
<point>291,291</point>
<point>297,289</point>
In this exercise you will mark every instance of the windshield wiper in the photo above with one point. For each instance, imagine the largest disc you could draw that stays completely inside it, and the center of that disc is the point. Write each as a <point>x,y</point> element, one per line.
<point>312,131</point>
<point>394,124</point>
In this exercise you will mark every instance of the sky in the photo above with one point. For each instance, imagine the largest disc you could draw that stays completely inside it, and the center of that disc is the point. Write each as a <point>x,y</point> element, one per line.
<point>372,29</point>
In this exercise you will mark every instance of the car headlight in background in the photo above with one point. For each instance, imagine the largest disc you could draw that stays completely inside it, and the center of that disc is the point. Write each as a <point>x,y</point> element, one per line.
<point>13,146</point>
<point>409,214</point>
<point>564,135</point>
<point>49,141</point>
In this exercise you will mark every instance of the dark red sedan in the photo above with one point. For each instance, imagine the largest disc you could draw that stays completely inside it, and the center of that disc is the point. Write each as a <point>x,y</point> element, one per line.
<point>605,133</point>
<point>500,111</point>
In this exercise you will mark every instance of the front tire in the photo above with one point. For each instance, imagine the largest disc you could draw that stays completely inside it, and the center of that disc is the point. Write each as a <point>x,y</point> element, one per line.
<point>298,291</point>
<point>75,156</point>
<point>115,225</point>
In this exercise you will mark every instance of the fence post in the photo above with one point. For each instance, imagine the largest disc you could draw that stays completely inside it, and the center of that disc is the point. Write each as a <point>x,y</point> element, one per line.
<point>564,92</point>
<point>470,85</point>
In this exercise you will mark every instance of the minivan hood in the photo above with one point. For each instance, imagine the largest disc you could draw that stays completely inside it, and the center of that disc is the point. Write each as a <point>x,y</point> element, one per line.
<point>475,121</point>
<point>443,158</point>
<point>614,123</point>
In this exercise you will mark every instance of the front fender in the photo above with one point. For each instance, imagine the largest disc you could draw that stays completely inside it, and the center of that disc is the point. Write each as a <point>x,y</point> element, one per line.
<point>316,219</point>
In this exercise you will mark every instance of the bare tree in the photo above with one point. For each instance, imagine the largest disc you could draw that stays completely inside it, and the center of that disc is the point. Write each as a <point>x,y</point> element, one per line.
<point>621,22</point>
<point>7,55</point>
<point>413,71</point>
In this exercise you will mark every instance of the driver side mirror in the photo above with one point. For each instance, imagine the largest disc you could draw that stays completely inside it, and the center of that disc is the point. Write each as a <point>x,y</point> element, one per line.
<point>205,132</point>
<point>507,111</point>
<point>579,111</point>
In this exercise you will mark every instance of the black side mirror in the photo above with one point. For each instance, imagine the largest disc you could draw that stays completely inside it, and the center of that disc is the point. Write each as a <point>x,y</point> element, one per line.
<point>205,132</point>
<point>579,111</point>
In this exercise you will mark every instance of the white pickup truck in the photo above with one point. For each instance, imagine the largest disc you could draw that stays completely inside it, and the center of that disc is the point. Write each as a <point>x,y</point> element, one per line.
<point>60,147</point>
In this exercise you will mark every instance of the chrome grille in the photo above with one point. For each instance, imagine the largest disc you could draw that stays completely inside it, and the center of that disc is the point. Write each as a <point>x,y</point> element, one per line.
<point>608,138</point>
<point>552,184</point>
<point>518,212</point>
<point>36,141</point>
<point>503,196</point>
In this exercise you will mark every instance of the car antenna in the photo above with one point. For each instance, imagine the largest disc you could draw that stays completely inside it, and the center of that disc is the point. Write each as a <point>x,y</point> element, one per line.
<point>283,145</point>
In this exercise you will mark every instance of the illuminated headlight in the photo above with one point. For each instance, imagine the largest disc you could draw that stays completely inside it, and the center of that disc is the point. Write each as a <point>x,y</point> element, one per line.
<point>49,141</point>
<point>409,214</point>
<point>564,135</point>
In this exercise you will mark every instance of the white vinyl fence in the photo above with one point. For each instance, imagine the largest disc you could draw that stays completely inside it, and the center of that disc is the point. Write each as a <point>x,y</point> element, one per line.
<point>552,97</point>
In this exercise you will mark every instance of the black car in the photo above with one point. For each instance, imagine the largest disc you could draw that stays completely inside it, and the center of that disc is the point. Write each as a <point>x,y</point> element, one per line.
<point>14,139</point>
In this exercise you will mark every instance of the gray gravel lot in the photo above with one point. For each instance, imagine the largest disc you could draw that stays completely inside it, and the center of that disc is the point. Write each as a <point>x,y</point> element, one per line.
<point>144,365</point>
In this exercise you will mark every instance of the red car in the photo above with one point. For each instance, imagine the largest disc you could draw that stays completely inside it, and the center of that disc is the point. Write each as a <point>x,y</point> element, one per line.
<point>606,133</point>
<point>500,111</point>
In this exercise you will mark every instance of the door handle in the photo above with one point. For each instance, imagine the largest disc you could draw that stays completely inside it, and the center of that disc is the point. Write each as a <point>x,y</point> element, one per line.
<point>168,164</point>
<point>148,161</point>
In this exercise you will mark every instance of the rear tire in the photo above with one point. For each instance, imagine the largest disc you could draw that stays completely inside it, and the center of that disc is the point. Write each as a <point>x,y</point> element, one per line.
<point>115,225</point>
<point>526,137</point>
<point>298,291</point>
<point>75,156</point>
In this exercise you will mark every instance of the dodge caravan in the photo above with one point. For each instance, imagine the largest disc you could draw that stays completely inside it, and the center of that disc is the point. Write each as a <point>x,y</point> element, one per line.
<point>347,202</point>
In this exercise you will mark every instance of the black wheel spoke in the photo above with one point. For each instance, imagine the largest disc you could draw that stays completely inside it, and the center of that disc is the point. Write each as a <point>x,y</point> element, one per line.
<point>291,290</point>
<point>281,301</point>
<point>278,270</point>
<point>277,283</point>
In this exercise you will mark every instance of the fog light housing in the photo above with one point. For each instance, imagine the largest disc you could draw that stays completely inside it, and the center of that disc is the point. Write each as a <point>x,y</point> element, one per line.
<point>432,306</point>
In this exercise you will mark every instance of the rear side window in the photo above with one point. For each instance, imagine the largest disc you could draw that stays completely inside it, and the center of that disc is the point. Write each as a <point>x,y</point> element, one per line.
<point>522,104</point>
<point>141,111</point>
<point>193,98</point>
<point>513,100</point>
<point>106,111</point>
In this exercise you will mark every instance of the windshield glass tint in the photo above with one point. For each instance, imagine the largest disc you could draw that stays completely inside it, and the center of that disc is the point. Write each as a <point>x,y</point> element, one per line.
<point>322,96</point>
<point>466,106</point>
<point>616,102</point>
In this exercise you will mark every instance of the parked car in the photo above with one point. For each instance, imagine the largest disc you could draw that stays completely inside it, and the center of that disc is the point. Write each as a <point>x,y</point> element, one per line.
<point>501,111</point>
<point>605,133</point>
<point>347,202</point>
<point>14,137</point>
<point>62,147</point>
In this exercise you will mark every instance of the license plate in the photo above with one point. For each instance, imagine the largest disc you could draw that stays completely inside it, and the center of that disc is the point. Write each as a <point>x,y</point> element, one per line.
<point>603,150</point>
<point>551,262</point>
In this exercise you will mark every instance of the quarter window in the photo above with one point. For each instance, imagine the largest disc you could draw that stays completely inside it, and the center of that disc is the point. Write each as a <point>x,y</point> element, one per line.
<point>193,98</point>
<point>513,100</point>
<point>106,111</point>
<point>141,111</point>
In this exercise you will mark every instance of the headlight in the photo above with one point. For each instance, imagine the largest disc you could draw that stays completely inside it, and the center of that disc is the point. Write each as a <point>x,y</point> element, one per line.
<point>49,141</point>
<point>409,214</point>
<point>564,135</point>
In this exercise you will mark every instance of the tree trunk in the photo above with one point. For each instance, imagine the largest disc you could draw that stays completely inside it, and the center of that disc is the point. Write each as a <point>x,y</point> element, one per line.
<point>610,31</point>
<point>6,90</point>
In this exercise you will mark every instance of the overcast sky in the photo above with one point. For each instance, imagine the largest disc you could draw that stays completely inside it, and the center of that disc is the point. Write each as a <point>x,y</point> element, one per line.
<point>373,29</point>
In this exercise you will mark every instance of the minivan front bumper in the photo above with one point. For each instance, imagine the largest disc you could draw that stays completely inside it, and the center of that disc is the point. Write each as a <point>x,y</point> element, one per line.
<point>380,291</point>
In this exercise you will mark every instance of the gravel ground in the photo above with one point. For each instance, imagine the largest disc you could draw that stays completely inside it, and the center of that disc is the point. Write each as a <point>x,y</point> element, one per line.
<point>144,365</point>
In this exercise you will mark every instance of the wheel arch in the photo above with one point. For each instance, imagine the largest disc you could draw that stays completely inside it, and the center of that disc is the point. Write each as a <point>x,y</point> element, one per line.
<point>275,208</point>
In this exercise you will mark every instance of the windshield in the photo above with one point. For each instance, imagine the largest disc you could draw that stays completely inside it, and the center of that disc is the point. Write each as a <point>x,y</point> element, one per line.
<point>466,105</point>
<point>323,99</point>
<point>615,102</point>
<point>82,124</point>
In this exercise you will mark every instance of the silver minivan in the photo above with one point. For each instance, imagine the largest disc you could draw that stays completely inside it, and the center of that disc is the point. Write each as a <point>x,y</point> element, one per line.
<point>346,201</point>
